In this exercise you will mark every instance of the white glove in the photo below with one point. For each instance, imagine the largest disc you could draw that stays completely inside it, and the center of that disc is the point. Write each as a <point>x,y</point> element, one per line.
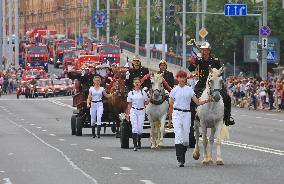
<point>127,74</point>
<point>145,89</point>
<point>199,55</point>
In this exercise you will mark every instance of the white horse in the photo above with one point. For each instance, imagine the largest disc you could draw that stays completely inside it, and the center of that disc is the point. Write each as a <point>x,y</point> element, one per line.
<point>157,110</point>
<point>211,116</point>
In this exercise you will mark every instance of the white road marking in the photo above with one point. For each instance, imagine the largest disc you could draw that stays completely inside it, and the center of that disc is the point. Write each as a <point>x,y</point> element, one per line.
<point>89,150</point>
<point>22,119</point>
<point>255,148</point>
<point>249,126</point>
<point>125,168</point>
<point>147,181</point>
<point>52,135</point>
<point>274,119</point>
<point>271,130</point>
<point>10,154</point>
<point>73,144</point>
<point>38,127</point>
<point>61,139</point>
<point>44,130</point>
<point>2,171</point>
<point>258,117</point>
<point>32,124</point>
<point>281,120</point>
<point>267,114</point>
<point>61,104</point>
<point>70,162</point>
<point>107,158</point>
<point>7,181</point>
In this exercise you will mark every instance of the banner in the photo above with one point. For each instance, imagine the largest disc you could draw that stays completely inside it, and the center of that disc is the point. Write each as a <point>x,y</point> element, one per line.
<point>100,18</point>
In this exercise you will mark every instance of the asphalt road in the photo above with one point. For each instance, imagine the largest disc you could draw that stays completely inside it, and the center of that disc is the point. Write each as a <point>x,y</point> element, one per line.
<point>37,147</point>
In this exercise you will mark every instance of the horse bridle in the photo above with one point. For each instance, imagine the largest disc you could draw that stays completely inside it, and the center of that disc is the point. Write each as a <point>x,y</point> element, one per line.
<point>161,93</point>
<point>210,93</point>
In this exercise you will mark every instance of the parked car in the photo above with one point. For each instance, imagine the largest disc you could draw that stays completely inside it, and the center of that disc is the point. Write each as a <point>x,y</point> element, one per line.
<point>60,87</point>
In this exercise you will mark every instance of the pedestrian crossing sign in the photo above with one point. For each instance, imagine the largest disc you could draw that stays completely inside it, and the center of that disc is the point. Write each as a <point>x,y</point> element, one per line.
<point>271,55</point>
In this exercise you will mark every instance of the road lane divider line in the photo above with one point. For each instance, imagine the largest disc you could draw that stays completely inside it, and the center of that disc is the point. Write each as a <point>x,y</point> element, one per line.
<point>2,171</point>
<point>32,124</point>
<point>147,181</point>
<point>107,158</point>
<point>73,144</point>
<point>38,127</point>
<point>61,104</point>
<point>125,168</point>
<point>52,135</point>
<point>44,130</point>
<point>7,181</point>
<point>90,150</point>
<point>10,154</point>
<point>61,139</point>
<point>69,161</point>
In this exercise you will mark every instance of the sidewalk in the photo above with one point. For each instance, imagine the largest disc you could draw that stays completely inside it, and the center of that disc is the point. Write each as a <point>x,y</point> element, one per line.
<point>153,64</point>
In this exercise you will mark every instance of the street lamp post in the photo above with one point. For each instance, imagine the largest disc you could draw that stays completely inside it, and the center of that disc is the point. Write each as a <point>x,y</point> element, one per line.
<point>1,33</point>
<point>137,37</point>
<point>155,29</point>
<point>178,36</point>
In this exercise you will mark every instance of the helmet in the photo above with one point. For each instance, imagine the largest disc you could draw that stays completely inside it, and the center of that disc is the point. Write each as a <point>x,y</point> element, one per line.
<point>163,62</point>
<point>205,45</point>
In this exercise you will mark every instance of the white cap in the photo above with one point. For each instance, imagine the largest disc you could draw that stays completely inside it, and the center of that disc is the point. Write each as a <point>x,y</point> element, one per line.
<point>205,45</point>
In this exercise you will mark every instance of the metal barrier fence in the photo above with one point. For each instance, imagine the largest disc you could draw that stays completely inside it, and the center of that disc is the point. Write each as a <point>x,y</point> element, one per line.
<point>154,53</point>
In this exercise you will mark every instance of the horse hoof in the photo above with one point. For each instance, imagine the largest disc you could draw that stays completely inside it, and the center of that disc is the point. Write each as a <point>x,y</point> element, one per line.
<point>205,162</point>
<point>211,162</point>
<point>153,146</point>
<point>196,155</point>
<point>219,162</point>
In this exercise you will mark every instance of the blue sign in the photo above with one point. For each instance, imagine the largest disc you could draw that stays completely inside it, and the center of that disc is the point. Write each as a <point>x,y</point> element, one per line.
<point>265,31</point>
<point>271,55</point>
<point>235,9</point>
<point>100,18</point>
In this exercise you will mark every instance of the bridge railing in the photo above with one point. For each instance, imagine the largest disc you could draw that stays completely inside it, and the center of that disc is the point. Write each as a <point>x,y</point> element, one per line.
<point>154,53</point>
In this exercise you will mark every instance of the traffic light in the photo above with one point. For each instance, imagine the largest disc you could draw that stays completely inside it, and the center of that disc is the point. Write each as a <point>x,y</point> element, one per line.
<point>259,52</point>
<point>171,12</point>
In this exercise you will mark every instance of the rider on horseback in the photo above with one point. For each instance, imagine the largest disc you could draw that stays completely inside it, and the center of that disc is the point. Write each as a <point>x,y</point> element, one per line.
<point>201,67</point>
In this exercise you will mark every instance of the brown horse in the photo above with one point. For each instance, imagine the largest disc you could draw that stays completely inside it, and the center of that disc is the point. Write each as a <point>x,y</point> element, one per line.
<point>118,101</point>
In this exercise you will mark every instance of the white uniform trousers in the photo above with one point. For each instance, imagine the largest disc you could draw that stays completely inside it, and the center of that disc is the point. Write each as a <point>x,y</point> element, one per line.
<point>137,118</point>
<point>181,122</point>
<point>96,112</point>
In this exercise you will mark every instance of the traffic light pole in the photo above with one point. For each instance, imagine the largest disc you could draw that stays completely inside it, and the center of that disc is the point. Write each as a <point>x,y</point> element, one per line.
<point>184,34</point>
<point>259,41</point>
<point>164,31</point>
<point>148,30</point>
<point>11,60</point>
<point>1,35</point>
<point>264,50</point>
<point>137,28</point>
<point>197,27</point>
<point>16,33</point>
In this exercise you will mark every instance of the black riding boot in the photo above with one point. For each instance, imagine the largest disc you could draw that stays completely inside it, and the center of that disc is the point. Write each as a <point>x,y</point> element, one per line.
<point>227,109</point>
<point>179,154</point>
<point>183,154</point>
<point>135,139</point>
<point>139,141</point>
<point>94,131</point>
<point>99,131</point>
<point>117,132</point>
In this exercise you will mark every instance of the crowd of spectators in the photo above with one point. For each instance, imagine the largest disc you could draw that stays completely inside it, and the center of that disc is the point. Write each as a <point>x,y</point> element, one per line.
<point>9,79</point>
<point>255,93</point>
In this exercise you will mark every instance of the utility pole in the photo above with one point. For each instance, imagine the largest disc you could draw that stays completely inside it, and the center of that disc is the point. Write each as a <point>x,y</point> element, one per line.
<point>11,60</point>
<point>148,30</point>
<point>164,31</point>
<point>79,24</point>
<point>197,27</point>
<point>264,50</point>
<point>137,28</point>
<point>65,19</point>
<point>98,30</point>
<point>75,23</point>
<point>108,21</point>
<point>4,31</point>
<point>90,19</point>
<point>16,33</point>
<point>1,33</point>
<point>183,34</point>
<point>259,41</point>
<point>234,63</point>
<point>204,9</point>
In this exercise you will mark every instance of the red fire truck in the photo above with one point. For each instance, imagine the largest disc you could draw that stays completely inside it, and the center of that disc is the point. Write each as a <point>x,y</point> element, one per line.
<point>36,57</point>
<point>109,53</point>
<point>59,47</point>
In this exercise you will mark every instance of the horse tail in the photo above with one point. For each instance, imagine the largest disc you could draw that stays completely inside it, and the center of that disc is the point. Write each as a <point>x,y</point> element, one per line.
<point>224,133</point>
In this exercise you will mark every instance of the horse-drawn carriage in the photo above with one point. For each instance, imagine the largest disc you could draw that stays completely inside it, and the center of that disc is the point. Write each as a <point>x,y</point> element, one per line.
<point>112,107</point>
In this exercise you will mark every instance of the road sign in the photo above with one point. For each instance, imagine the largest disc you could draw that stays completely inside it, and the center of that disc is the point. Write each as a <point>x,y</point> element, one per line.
<point>265,31</point>
<point>271,55</point>
<point>203,32</point>
<point>264,43</point>
<point>235,9</point>
<point>100,18</point>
